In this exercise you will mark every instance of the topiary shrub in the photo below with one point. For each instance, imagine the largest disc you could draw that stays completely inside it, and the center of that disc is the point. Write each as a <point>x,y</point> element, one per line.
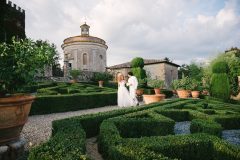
<point>137,65</point>
<point>220,87</point>
<point>137,62</point>
<point>220,67</point>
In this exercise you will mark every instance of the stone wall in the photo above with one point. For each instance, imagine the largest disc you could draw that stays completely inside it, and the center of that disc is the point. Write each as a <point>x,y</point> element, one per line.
<point>162,71</point>
<point>171,73</point>
<point>156,71</point>
<point>12,21</point>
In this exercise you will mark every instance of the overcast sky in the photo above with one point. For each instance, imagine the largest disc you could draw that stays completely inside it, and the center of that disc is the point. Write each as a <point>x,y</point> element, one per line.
<point>183,30</point>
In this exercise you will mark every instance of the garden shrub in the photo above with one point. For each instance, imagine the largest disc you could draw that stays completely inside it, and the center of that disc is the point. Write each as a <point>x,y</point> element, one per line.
<point>113,127</point>
<point>209,111</point>
<point>220,87</point>
<point>61,103</point>
<point>137,62</point>
<point>187,147</point>
<point>34,88</point>
<point>139,127</point>
<point>168,93</point>
<point>69,138</point>
<point>228,121</point>
<point>205,126</point>
<point>176,115</point>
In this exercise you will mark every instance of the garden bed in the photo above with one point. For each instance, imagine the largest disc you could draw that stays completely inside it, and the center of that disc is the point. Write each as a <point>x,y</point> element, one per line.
<point>121,131</point>
<point>70,97</point>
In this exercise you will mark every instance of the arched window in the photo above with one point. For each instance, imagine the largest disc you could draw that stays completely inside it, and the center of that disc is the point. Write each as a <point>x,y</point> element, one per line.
<point>85,59</point>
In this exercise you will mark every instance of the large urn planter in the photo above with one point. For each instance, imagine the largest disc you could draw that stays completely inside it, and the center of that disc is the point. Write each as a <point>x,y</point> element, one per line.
<point>153,98</point>
<point>14,112</point>
<point>183,93</point>
<point>195,94</point>
<point>157,90</point>
<point>139,92</point>
<point>100,83</point>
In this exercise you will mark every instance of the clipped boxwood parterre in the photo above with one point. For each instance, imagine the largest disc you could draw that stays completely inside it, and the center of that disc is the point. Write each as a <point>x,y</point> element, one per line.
<point>63,97</point>
<point>142,133</point>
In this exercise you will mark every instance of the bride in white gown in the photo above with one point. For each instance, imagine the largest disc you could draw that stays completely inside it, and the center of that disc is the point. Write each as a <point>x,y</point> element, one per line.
<point>124,98</point>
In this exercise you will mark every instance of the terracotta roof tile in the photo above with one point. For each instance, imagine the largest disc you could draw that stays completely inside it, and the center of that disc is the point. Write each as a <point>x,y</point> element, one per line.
<point>146,62</point>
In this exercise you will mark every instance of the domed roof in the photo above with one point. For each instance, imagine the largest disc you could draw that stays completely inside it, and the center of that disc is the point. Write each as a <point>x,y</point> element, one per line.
<point>84,37</point>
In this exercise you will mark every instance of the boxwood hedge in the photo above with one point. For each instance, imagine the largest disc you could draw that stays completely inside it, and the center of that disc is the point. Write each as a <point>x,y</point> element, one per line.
<point>137,134</point>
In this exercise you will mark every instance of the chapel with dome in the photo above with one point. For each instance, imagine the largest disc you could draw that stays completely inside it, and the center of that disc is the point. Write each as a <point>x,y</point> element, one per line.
<point>84,52</point>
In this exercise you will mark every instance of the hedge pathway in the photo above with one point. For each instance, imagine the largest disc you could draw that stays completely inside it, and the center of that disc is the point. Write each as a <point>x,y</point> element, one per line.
<point>38,129</point>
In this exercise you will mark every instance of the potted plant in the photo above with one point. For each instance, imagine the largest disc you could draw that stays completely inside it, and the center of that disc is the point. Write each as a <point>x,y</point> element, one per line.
<point>20,62</point>
<point>75,73</point>
<point>141,85</point>
<point>153,98</point>
<point>156,84</point>
<point>182,86</point>
<point>195,88</point>
<point>101,77</point>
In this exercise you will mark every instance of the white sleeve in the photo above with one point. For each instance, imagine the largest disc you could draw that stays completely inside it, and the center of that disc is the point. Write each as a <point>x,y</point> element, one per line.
<point>136,83</point>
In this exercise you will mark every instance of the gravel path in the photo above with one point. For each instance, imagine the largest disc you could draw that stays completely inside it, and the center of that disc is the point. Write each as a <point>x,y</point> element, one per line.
<point>38,129</point>
<point>182,127</point>
<point>232,136</point>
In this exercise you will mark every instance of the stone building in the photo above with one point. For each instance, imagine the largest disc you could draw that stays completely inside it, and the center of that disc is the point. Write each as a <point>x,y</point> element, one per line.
<point>12,21</point>
<point>156,69</point>
<point>84,52</point>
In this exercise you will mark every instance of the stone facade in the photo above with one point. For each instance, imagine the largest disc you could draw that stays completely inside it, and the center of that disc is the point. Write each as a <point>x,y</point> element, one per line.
<point>156,69</point>
<point>84,52</point>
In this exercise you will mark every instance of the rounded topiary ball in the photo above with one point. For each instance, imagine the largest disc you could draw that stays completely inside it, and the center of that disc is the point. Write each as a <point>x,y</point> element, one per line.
<point>137,62</point>
<point>220,67</point>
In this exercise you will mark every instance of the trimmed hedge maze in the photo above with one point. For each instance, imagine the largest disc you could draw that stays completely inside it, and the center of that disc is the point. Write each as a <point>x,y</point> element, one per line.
<point>62,97</point>
<point>147,133</point>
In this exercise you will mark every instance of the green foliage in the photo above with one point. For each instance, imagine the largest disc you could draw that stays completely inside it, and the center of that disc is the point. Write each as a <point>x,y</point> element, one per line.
<point>196,85</point>
<point>193,71</point>
<point>210,127</point>
<point>184,83</point>
<point>99,76</point>
<point>220,87</point>
<point>137,65</point>
<point>137,62</point>
<point>168,93</point>
<point>68,142</point>
<point>176,115</point>
<point>63,103</point>
<point>75,73</point>
<point>228,121</point>
<point>155,83</point>
<point>220,67</point>
<point>114,126</point>
<point>139,73</point>
<point>232,58</point>
<point>140,127</point>
<point>20,62</point>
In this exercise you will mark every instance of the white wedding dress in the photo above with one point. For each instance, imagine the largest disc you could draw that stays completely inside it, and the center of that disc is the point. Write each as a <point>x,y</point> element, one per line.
<point>124,98</point>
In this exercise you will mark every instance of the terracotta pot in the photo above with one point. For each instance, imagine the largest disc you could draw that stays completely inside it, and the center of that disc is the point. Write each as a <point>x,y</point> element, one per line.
<point>139,92</point>
<point>73,81</point>
<point>205,92</point>
<point>14,112</point>
<point>183,93</point>
<point>153,98</point>
<point>157,90</point>
<point>174,91</point>
<point>100,83</point>
<point>195,94</point>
